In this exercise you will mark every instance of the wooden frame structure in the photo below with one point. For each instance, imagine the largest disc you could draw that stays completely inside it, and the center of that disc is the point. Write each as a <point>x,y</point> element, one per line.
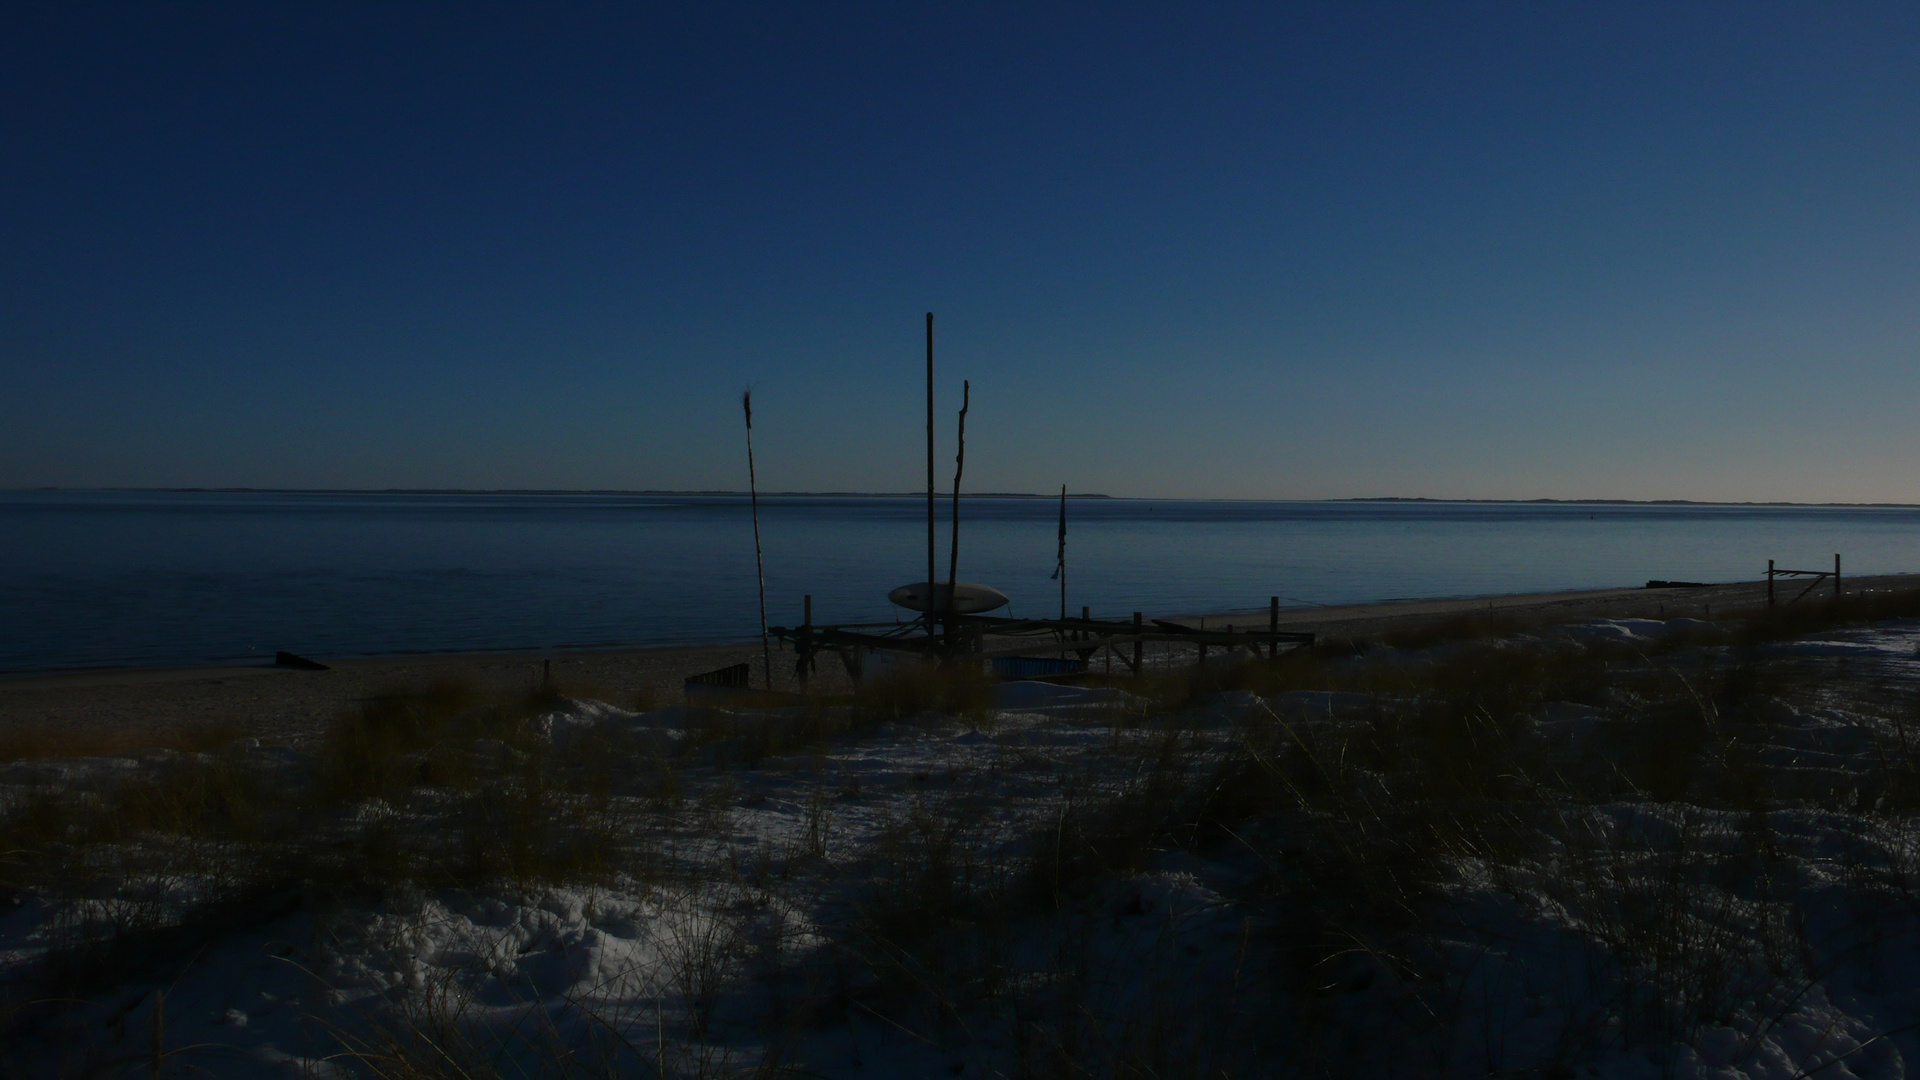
<point>1817,575</point>
<point>950,639</point>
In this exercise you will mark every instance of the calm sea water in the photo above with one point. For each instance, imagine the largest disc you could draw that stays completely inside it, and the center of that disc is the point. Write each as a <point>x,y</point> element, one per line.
<point>114,578</point>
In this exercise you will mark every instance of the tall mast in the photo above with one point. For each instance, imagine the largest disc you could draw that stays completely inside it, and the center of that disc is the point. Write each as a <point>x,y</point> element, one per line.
<point>759,567</point>
<point>931,602</point>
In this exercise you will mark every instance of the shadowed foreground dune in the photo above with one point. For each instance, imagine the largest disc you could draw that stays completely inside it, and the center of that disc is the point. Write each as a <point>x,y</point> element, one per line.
<point>1545,838</point>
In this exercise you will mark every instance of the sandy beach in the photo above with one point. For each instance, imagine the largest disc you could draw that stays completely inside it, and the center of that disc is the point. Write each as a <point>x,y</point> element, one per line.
<point>269,702</point>
<point>429,882</point>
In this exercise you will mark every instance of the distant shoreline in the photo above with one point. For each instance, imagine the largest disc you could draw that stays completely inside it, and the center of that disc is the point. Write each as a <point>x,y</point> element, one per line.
<point>1604,502</point>
<point>265,700</point>
<point>970,495</point>
<point>559,491</point>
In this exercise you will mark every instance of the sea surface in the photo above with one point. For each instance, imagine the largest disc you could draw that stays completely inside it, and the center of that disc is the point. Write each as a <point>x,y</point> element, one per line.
<point>103,579</point>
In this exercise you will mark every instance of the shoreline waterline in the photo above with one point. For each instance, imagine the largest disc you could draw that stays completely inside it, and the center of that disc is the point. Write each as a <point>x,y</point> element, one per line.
<point>279,703</point>
<point>1292,616</point>
<point>105,581</point>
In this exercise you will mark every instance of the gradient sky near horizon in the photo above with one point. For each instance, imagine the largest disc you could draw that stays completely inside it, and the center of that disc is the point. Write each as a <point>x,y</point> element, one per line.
<point>1267,251</point>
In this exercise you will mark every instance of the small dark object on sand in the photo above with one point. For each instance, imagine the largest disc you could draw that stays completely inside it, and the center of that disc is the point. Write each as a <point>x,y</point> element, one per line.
<point>287,659</point>
<point>1676,584</point>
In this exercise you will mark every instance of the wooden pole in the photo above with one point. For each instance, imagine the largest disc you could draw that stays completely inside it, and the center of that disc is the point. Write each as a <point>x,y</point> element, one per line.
<point>953,548</point>
<point>806,641</point>
<point>1273,626</point>
<point>1063,552</point>
<point>759,569</point>
<point>1136,643</point>
<point>931,605</point>
<point>1060,554</point>
<point>1769,582</point>
<point>1836,575</point>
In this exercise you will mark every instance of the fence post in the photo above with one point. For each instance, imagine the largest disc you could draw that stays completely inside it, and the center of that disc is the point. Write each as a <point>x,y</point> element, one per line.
<point>1836,575</point>
<point>1769,582</point>
<point>806,641</point>
<point>1273,626</point>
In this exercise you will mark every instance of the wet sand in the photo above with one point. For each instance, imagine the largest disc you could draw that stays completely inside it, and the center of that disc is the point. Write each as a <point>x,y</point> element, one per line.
<point>279,703</point>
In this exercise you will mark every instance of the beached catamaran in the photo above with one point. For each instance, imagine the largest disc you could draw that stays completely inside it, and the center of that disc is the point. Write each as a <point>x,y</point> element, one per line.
<point>952,624</point>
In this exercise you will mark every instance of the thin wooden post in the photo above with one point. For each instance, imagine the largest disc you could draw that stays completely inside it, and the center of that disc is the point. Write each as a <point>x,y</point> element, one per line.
<point>959,467</point>
<point>931,604</point>
<point>1063,552</point>
<point>1273,626</point>
<point>1060,556</point>
<point>1836,575</point>
<point>953,549</point>
<point>1136,643</point>
<point>759,569</point>
<point>806,641</point>
<point>1769,582</point>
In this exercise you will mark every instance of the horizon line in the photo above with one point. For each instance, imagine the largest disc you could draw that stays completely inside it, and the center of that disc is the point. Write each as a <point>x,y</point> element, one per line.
<point>921,494</point>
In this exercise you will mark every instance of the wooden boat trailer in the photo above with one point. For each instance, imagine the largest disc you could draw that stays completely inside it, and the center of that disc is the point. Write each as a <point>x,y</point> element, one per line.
<point>950,631</point>
<point>957,638</point>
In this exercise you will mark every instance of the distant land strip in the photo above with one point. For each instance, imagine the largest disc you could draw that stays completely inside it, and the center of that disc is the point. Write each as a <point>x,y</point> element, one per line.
<point>948,494</point>
<point>571,491</point>
<point>1615,502</point>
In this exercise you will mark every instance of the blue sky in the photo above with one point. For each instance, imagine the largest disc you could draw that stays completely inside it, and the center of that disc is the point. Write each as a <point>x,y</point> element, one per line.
<point>1514,250</point>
